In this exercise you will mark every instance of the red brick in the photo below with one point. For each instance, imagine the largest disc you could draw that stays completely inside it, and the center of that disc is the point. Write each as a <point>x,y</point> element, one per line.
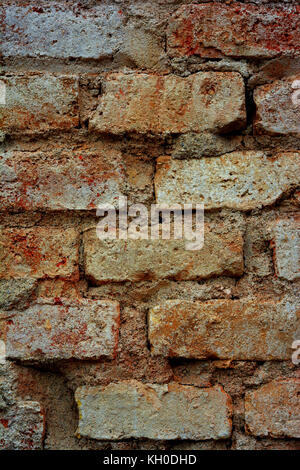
<point>236,30</point>
<point>39,252</point>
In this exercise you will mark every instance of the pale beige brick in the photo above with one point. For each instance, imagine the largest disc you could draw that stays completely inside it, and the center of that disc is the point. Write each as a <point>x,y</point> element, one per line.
<point>135,260</point>
<point>238,180</point>
<point>131,409</point>
<point>146,103</point>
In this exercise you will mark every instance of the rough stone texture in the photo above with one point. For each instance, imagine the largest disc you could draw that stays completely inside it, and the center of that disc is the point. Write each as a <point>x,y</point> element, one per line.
<point>276,112</point>
<point>275,69</point>
<point>39,252</point>
<point>234,30</point>
<point>204,145</point>
<point>132,409</point>
<point>135,260</point>
<point>16,291</point>
<point>7,384</point>
<point>149,100</point>
<point>274,409</point>
<point>54,30</point>
<point>62,329</point>
<point>286,246</point>
<point>238,180</point>
<point>147,103</point>
<point>224,329</point>
<point>22,427</point>
<point>38,103</point>
<point>61,179</point>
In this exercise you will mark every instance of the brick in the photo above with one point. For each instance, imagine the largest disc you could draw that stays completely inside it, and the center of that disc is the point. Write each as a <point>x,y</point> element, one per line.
<point>286,246</point>
<point>16,292</point>
<point>38,103</point>
<point>61,30</point>
<point>61,329</point>
<point>39,252</point>
<point>204,144</point>
<point>22,427</point>
<point>279,68</point>
<point>224,329</point>
<point>276,114</point>
<point>147,103</point>
<point>239,180</point>
<point>235,30</point>
<point>8,379</point>
<point>131,409</point>
<point>273,410</point>
<point>60,179</point>
<point>136,260</point>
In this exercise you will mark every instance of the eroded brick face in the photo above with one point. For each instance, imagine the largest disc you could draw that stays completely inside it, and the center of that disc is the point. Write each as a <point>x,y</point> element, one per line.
<point>133,409</point>
<point>277,108</point>
<point>234,30</point>
<point>61,179</point>
<point>22,427</point>
<point>39,102</point>
<point>136,260</point>
<point>54,30</point>
<point>238,180</point>
<point>224,329</point>
<point>39,252</point>
<point>273,410</point>
<point>57,329</point>
<point>286,247</point>
<point>129,344</point>
<point>146,103</point>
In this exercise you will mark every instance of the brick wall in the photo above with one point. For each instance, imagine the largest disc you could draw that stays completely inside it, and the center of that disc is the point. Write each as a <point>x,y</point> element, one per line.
<point>143,344</point>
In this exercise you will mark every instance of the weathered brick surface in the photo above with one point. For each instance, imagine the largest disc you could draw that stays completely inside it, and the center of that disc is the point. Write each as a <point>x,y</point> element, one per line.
<point>286,246</point>
<point>63,329</point>
<point>142,103</point>
<point>39,252</point>
<point>39,102</point>
<point>133,409</point>
<point>60,179</point>
<point>7,381</point>
<point>205,144</point>
<point>234,30</point>
<point>68,30</point>
<point>276,113</point>
<point>239,180</point>
<point>16,292</point>
<point>169,102</point>
<point>274,409</point>
<point>22,427</point>
<point>135,260</point>
<point>224,329</point>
